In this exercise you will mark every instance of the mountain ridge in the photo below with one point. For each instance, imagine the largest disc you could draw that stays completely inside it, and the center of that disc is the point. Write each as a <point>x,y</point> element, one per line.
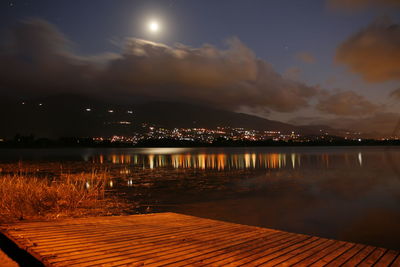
<point>80,115</point>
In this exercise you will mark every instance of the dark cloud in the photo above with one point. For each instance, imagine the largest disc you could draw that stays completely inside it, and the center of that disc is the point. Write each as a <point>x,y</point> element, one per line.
<point>373,52</point>
<point>382,123</point>
<point>306,57</point>
<point>354,5</point>
<point>39,59</point>
<point>228,78</point>
<point>346,103</point>
<point>306,120</point>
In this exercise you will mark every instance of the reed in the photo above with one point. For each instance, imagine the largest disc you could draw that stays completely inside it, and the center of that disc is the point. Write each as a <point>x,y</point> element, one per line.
<point>70,195</point>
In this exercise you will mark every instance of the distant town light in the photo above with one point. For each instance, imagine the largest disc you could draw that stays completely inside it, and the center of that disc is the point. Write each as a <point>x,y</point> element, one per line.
<point>23,103</point>
<point>88,109</point>
<point>40,104</point>
<point>130,112</point>
<point>110,111</point>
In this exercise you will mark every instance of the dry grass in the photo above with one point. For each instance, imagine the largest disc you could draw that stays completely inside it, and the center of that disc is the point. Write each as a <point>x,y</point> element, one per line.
<point>29,197</point>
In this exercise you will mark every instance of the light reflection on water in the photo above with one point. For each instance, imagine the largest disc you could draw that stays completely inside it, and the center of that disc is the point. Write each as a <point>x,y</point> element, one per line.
<point>347,193</point>
<point>224,161</point>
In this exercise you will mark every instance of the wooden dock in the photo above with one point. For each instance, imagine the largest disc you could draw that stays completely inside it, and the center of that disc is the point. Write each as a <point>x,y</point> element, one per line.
<point>180,240</point>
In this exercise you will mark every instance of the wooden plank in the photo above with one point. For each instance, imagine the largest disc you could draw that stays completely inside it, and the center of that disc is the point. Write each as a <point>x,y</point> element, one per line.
<point>265,250</point>
<point>321,254</point>
<point>116,235</point>
<point>226,255</point>
<point>100,253</point>
<point>153,245</point>
<point>373,257</point>
<point>287,255</point>
<point>346,256</point>
<point>74,236</point>
<point>333,255</point>
<point>202,253</point>
<point>83,228</point>
<point>387,259</point>
<point>180,240</point>
<point>232,254</point>
<point>396,261</point>
<point>359,256</point>
<point>184,250</point>
<point>303,254</point>
<point>132,239</point>
<point>264,256</point>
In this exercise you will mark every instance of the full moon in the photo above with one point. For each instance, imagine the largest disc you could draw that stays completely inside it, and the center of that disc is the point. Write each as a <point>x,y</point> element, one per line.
<point>154,26</point>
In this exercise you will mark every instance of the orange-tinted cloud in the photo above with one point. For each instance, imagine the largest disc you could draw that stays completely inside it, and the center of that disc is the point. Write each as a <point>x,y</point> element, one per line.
<point>373,52</point>
<point>395,94</point>
<point>292,73</point>
<point>306,57</point>
<point>346,103</point>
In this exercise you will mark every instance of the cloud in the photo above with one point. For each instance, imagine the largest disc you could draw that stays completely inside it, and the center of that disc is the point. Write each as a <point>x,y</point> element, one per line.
<point>373,52</point>
<point>228,78</point>
<point>381,123</point>
<point>292,73</point>
<point>346,103</point>
<point>395,94</point>
<point>354,5</point>
<point>306,57</point>
<point>39,59</point>
<point>306,120</point>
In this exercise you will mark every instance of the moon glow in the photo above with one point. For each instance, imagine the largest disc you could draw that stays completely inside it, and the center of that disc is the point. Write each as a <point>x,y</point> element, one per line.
<point>154,26</point>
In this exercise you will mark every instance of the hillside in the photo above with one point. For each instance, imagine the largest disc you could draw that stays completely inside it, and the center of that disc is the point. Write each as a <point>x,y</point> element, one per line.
<point>74,115</point>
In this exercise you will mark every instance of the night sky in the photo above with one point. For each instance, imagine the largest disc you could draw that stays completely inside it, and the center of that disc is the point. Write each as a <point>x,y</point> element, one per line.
<point>334,62</point>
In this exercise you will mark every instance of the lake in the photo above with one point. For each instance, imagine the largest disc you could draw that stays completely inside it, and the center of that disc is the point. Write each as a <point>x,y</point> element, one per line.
<point>346,193</point>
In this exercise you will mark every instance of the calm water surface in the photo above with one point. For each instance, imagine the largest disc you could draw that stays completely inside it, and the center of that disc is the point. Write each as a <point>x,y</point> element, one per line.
<point>347,193</point>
